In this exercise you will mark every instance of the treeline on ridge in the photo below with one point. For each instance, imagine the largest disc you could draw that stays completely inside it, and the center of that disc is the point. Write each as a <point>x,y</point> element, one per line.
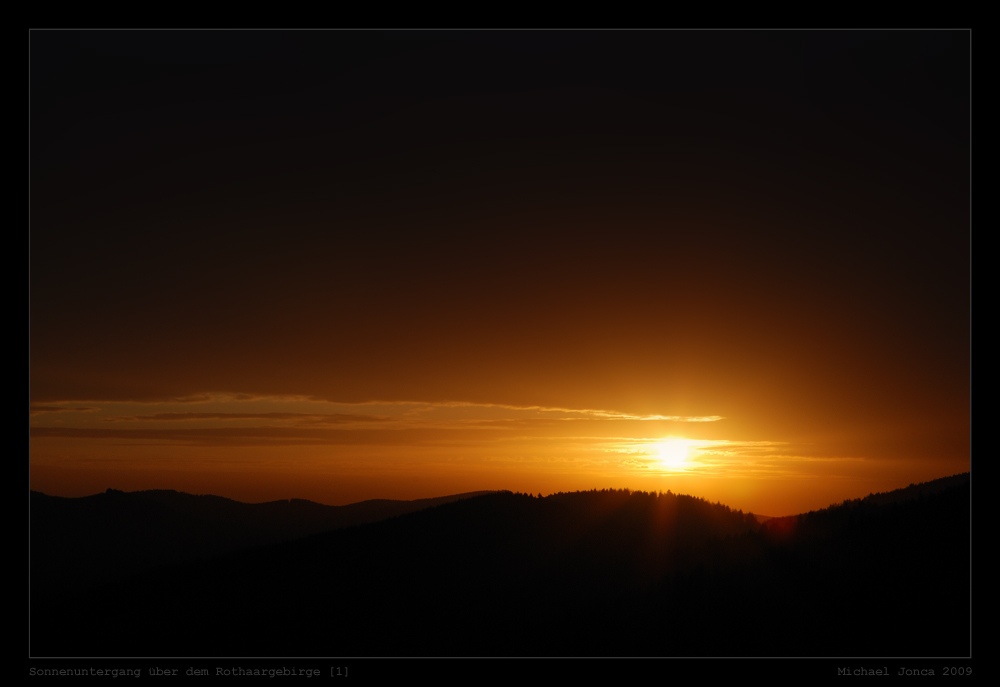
<point>610,572</point>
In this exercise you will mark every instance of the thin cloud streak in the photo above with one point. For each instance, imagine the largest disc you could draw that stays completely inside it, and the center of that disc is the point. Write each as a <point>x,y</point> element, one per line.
<point>39,409</point>
<point>415,408</point>
<point>310,418</point>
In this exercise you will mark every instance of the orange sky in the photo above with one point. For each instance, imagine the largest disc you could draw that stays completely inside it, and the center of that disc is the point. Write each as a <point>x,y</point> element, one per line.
<point>266,448</point>
<point>351,265</point>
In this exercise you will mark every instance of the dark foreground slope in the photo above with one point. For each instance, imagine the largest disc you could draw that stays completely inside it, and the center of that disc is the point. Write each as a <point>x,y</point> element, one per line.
<point>77,543</point>
<point>592,573</point>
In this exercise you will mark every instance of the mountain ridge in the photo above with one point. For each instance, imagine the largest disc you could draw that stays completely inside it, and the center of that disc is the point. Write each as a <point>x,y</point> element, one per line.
<point>80,542</point>
<point>609,572</point>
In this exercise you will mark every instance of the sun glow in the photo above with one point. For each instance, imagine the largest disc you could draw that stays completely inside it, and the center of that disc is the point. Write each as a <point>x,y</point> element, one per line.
<point>674,453</point>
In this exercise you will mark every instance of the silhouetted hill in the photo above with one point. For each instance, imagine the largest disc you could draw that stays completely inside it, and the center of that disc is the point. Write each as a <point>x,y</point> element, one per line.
<point>813,521</point>
<point>583,574</point>
<point>916,490</point>
<point>79,542</point>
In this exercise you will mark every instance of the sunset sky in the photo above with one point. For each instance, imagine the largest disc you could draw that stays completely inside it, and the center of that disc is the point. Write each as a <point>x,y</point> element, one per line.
<point>342,265</point>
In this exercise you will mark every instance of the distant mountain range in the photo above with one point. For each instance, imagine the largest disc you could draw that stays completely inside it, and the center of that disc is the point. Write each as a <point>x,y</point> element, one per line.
<point>77,543</point>
<point>599,573</point>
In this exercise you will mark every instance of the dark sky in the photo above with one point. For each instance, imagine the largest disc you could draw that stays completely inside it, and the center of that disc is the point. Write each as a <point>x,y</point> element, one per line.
<point>767,226</point>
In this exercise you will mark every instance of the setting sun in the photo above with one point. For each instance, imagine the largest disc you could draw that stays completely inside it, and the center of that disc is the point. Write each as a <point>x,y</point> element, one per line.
<point>673,453</point>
